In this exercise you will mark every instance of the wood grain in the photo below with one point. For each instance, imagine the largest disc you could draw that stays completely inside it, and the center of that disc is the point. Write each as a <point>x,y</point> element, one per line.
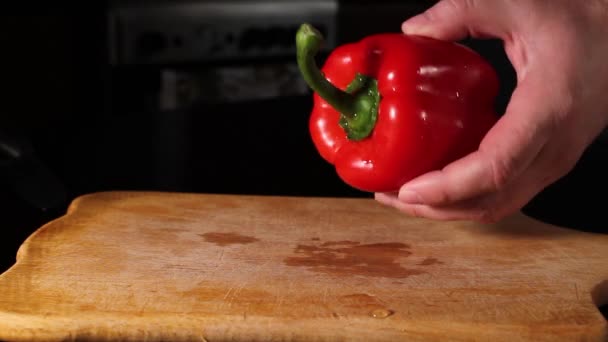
<point>142,266</point>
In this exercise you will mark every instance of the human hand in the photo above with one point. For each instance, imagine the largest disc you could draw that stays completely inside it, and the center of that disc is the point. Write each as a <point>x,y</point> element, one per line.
<point>560,53</point>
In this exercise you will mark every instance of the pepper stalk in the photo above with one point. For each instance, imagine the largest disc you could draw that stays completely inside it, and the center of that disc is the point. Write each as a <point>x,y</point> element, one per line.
<point>358,104</point>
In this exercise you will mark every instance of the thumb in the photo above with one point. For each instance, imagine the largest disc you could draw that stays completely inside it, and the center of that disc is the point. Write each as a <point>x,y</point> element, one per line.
<point>455,20</point>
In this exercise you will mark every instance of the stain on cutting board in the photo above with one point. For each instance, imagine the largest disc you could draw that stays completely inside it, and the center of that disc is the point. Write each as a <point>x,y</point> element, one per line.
<point>354,258</point>
<point>225,239</point>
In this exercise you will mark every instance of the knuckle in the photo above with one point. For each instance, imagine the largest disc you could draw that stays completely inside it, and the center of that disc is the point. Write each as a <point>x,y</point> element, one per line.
<point>460,5</point>
<point>442,197</point>
<point>414,211</point>
<point>501,173</point>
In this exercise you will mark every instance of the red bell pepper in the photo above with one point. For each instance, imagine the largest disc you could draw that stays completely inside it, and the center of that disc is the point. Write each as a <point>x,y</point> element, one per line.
<point>392,107</point>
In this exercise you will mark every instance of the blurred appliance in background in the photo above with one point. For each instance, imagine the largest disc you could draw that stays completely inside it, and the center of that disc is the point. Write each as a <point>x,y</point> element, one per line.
<point>205,95</point>
<point>221,31</point>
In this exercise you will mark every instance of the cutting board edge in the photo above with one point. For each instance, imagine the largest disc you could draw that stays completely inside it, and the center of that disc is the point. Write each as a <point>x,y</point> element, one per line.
<point>126,328</point>
<point>25,245</point>
<point>79,201</point>
<point>71,210</point>
<point>121,194</point>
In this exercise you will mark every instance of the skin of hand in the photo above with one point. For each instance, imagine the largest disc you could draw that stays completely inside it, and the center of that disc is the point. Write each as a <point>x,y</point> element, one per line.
<point>559,50</point>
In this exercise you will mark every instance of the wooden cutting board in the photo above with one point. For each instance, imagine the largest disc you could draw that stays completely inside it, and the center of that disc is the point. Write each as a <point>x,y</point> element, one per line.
<point>134,266</point>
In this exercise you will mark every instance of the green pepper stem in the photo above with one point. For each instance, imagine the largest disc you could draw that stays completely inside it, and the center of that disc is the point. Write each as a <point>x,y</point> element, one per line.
<point>358,105</point>
<point>308,43</point>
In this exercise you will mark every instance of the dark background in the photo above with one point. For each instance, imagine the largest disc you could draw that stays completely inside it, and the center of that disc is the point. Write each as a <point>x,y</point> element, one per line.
<point>96,126</point>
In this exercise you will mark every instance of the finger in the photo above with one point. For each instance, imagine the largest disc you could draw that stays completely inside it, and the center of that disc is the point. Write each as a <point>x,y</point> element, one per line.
<point>551,164</point>
<point>456,19</point>
<point>489,209</point>
<point>386,198</point>
<point>506,151</point>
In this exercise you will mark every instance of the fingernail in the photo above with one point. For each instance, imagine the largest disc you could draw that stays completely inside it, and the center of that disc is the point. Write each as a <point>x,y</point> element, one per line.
<point>410,197</point>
